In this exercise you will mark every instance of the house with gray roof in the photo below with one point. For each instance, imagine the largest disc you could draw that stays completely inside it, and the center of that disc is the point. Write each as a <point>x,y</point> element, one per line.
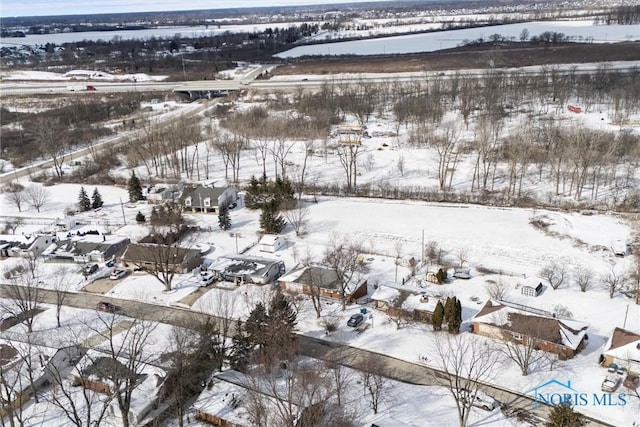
<point>207,199</point>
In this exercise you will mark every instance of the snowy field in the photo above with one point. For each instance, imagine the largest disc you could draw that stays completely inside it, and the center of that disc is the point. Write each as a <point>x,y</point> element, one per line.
<point>583,31</point>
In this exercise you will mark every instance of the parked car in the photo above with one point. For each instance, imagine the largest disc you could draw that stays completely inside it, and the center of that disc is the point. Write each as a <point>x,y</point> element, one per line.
<point>610,383</point>
<point>631,382</point>
<point>118,273</point>
<point>90,269</point>
<point>106,307</point>
<point>481,400</point>
<point>355,320</point>
<point>207,278</point>
<point>110,263</point>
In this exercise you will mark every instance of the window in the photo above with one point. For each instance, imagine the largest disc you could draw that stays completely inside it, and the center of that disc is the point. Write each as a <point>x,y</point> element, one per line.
<point>516,336</point>
<point>187,201</point>
<point>207,202</point>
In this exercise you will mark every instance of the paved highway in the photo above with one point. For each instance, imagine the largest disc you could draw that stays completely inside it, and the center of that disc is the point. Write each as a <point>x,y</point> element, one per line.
<point>397,369</point>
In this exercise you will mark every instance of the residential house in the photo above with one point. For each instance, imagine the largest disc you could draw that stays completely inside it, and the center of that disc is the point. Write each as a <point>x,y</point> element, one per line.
<point>24,246</point>
<point>437,276</point>
<point>228,400</point>
<point>512,322</point>
<point>96,372</point>
<point>26,366</point>
<point>245,269</point>
<point>160,193</point>
<point>271,243</point>
<point>310,279</point>
<point>68,223</point>
<point>158,257</point>
<point>414,306</point>
<point>532,287</point>
<point>86,248</point>
<point>623,349</point>
<point>207,199</point>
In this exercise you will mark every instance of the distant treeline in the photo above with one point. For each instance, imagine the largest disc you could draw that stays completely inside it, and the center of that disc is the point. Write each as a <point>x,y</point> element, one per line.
<point>623,15</point>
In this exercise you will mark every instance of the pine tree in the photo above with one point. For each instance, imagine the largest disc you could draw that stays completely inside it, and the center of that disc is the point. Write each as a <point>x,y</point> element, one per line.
<point>224,221</point>
<point>454,325</point>
<point>96,199</point>
<point>270,219</point>
<point>255,326</point>
<point>438,316</point>
<point>449,309</point>
<point>135,188</point>
<point>240,352</point>
<point>563,415</point>
<point>84,204</point>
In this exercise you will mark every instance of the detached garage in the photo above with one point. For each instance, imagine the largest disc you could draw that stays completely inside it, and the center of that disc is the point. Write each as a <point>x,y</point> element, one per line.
<point>271,243</point>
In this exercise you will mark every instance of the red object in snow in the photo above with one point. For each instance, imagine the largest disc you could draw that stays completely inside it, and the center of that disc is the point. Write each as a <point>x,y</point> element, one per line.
<point>574,109</point>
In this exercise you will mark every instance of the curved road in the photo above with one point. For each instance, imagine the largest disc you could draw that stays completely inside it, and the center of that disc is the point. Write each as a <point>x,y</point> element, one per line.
<point>512,403</point>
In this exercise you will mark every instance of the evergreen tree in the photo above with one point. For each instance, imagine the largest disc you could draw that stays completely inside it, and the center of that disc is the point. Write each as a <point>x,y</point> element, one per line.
<point>135,188</point>
<point>224,221</point>
<point>255,326</point>
<point>454,325</point>
<point>96,199</point>
<point>438,316</point>
<point>270,219</point>
<point>563,415</point>
<point>240,352</point>
<point>84,204</point>
<point>449,309</point>
<point>140,217</point>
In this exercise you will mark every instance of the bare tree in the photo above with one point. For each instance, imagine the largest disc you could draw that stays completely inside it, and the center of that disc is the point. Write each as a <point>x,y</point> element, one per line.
<point>126,357</point>
<point>614,282</point>
<point>12,224</point>
<point>433,253</point>
<point>76,401</point>
<point>521,344</point>
<point>61,287</point>
<point>554,272</point>
<point>396,313</point>
<point>496,290</point>
<point>15,194</point>
<point>348,155</point>
<point>37,196</point>
<point>282,399</point>
<point>463,256</point>
<point>467,363</point>
<point>297,217</point>
<point>342,257</point>
<point>373,381</point>
<point>583,276</point>
<point>22,299</point>
<point>12,386</point>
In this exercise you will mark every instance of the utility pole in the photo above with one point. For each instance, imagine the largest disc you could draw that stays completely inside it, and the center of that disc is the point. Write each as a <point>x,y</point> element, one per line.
<point>124,219</point>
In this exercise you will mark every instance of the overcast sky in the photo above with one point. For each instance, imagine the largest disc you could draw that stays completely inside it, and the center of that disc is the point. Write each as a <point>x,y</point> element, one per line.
<point>77,7</point>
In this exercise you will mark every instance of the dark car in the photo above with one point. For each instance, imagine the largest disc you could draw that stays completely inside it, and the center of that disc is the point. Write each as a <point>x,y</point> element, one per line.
<point>106,306</point>
<point>90,269</point>
<point>355,320</point>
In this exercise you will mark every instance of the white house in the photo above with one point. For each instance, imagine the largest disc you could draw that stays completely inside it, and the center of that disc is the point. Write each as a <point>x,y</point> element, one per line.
<point>271,243</point>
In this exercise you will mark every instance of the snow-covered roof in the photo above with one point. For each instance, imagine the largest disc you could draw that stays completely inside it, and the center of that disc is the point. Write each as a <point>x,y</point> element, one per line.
<point>312,275</point>
<point>567,332</point>
<point>269,239</point>
<point>228,398</point>
<point>623,344</point>
<point>239,265</point>
<point>385,293</point>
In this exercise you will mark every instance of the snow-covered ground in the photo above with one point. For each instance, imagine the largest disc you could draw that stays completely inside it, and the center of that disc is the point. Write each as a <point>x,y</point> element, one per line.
<point>584,31</point>
<point>77,75</point>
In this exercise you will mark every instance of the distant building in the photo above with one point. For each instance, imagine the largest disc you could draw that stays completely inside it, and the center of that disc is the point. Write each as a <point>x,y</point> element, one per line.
<point>207,199</point>
<point>86,248</point>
